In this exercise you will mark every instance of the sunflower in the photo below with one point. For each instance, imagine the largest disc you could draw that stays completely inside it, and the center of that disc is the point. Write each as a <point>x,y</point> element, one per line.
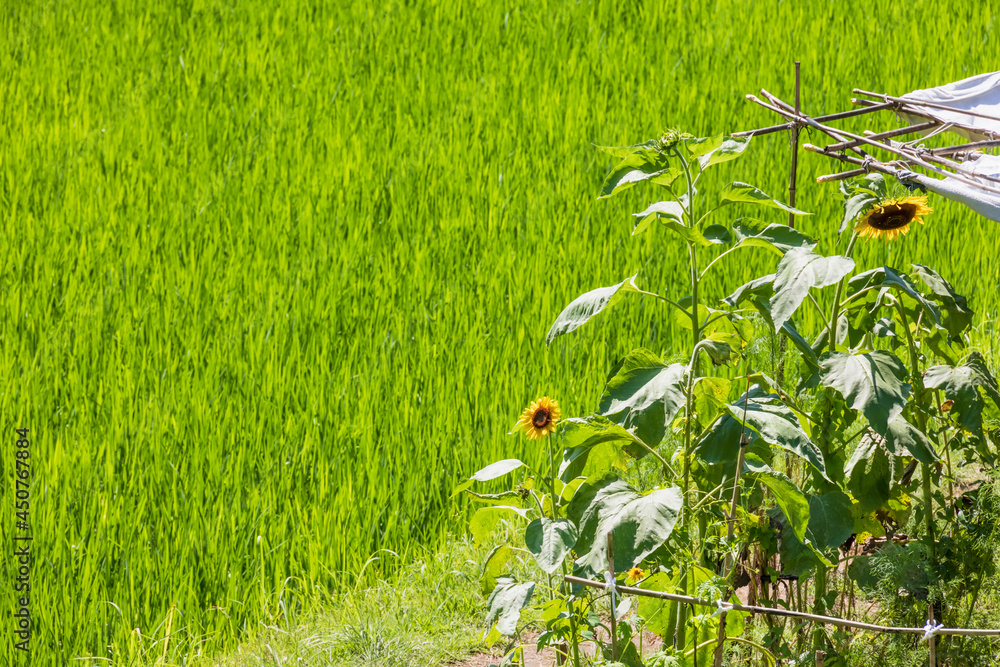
<point>634,575</point>
<point>892,217</point>
<point>539,419</point>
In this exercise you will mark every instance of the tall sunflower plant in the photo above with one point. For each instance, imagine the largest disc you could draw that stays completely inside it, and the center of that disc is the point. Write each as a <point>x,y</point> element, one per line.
<point>758,480</point>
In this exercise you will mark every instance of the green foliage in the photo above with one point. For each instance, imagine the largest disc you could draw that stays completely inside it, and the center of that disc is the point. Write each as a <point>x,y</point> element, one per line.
<point>871,382</point>
<point>723,446</point>
<point>550,541</point>
<point>587,305</point>
<point>505,604</point>
<point>644,396</point>
<point>799,271</point>
<point>743,193</point>
<point>642,522</point>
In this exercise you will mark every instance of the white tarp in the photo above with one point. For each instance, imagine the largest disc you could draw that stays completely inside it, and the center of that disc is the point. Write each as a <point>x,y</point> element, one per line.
<point>984,203</point>
<point>979,165</point>
<point>980,93</point>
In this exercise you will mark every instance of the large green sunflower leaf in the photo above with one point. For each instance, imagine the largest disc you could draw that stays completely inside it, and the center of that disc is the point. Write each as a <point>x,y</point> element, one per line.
<point>714,150</point>
<point>497,469</point>
<point>902,439</point>
<point>486,520</point>
<point>590,431</point>
<point>958,386</point>
<point>777,425</point>
<point>744,193</point>
<point>793,503</point>
<point>959,314</point>
<point>870,473</point>
<point>697,147</point>
<point>983,378</point>
<point>492,471</point>
<point>776,237</point>
<point>797,556</point>
<point>655,611</point>
<point>871,382</point>
<point>798,271</point>
<point>505,604</point>
<point>710,394</point>
<point>585,306</point>
<point>594,445</point>
<point>642,165</point>
<point>887,277</point>
<point>641,523</point>
<point>645,395</point>
<point>759,288</point>
<point>830,520</point>
<point>719,448</point>
<point>668,211</point>
<point>549,541</point>
<point>962,385</point>
<point>494,565</point>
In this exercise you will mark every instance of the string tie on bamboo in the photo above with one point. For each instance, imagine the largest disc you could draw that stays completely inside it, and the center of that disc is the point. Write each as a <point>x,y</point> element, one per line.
<point>611,586</point>
<point>867,164</point>
<point>723,607</point>
<point>931,629</point>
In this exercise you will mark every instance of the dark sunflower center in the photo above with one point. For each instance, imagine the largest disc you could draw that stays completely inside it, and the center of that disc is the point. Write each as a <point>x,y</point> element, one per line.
<point>893,216</point>
<point>541,418</point>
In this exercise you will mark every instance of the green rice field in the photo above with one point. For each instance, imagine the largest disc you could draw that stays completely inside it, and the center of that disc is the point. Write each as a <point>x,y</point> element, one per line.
<point>276,276</point>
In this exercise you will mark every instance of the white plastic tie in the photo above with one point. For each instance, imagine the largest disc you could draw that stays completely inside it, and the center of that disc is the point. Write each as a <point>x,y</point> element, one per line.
<point>611,586</point>
<point>723,607</point>
<point>931,629</point>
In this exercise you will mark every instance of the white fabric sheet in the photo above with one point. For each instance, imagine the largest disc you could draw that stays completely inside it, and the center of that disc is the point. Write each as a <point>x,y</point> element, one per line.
<point>979,164</point>
<point>984,203</point>
<point>980,93</point>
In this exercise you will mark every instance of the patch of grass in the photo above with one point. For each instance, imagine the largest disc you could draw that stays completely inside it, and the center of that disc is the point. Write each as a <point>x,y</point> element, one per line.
<point>429,613</point>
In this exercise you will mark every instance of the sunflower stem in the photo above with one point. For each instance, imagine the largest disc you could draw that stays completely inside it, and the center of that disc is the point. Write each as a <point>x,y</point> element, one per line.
<point>918,386</point>
<point>696,330</point>
<point>835,311</point>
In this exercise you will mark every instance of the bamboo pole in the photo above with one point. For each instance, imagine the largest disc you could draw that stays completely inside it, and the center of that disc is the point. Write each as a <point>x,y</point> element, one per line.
<point>911,129</point>
<point>834,116</point>
<point>753,609</point>
<point>932,657</point>
<point>795,153</point>
<point>841,176</point>
<point>839,135</point>
<point>891,171</point>
<point>843,135</point>
<point>614,621</point>
<point>961,148</point>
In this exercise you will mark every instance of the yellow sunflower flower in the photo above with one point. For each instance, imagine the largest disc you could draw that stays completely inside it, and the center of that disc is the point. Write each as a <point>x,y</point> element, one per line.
<point>634,575</point>
<point>892,217</point>
<point>539,419</point>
